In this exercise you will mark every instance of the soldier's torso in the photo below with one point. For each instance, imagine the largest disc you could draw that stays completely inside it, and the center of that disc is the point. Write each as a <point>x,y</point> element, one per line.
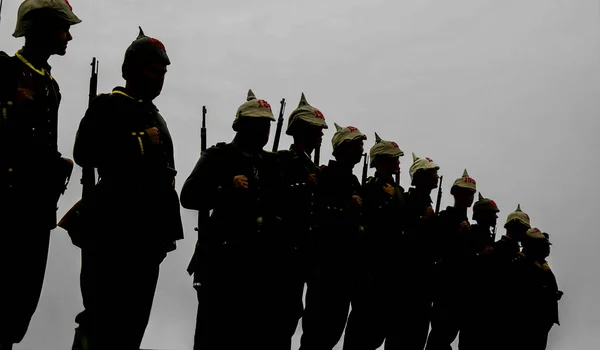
<point>334,192</point>
<point>126,158</point>
<point>384,213</point>
<point>28,128</point>
<point>136,177</point>
<point>419,240</point>
<point>296,168</point>
<point>244,215</point>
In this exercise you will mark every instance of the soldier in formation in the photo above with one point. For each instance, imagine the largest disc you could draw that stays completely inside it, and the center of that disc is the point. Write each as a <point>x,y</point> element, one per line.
<point>33,174</point>
<point>133,215</point>
<point>378,261</point>
<point>246,291</point>
<point>375,308</point>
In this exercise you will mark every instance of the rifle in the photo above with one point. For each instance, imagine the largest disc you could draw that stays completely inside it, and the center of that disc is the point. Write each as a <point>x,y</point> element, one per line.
<point>73,220</point>
<point>203,131</point>
<point>365,168</point>
<point>494,234</point>
<point>439,196</point>
<point>88,175</point>
<point>279,125</point>
<point>202,215</point>
<point>317,155</point>
<point>398,179</point>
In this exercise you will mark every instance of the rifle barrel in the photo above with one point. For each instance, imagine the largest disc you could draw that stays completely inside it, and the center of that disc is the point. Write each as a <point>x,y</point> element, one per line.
<point>88,175</point>
<point>317,155</point>
<point>365,168</point>
<point>439,196</point>
<point>203,130</point>
<point>279,125</point>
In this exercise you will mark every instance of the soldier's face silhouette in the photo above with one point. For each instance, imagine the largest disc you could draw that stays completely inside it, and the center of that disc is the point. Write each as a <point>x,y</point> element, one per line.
<point>255,132</point>
<point>487,218</point>
<point>350,152</point>
<point>387,164</point>
<point>516,230</point>
<point>463,197</point>
<point>148,80</point>
<point>427,179</point>
<point>50,37</point>
<point>311,136</point>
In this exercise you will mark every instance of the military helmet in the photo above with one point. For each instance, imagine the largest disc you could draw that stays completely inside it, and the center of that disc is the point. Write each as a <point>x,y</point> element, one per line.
<point>144,49</point>
<point>421,164</point>
<point>535,235</point>
<point>346,134</point>
<point>305,113</point>
<point>253,108</point>
<point>384,148</point>
<point>484,205</point>
<point>466,182</point>
<point>519,216</point>
<point>61,9</point>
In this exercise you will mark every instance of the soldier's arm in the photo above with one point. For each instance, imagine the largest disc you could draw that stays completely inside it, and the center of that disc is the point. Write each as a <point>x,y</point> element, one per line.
<point>201,189</point>
<point>85,150</point>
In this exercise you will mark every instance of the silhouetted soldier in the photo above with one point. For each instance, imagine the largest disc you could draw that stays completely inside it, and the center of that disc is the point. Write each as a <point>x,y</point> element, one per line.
<point>375,307</point>
<point>475,331</point>
<point>450,292</point>
<point>503,288</point>
<point>33,175</point>
<point>300,174</point>
<point>243,280</point>
<point>134,214</point>
<point>338,224</point>
<point>538,293</point>
<point>418,254</point>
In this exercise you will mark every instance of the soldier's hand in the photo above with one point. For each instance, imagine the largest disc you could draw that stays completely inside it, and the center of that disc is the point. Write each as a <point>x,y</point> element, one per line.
<point>154,135</point>
<point>429,213</point>
<point>487,250</point>
<point>389,189</point>
<point>356,201</point>
<point>464,226</point>
<point>24,95</point>
<point>311,179</point>
<point>240,181</point>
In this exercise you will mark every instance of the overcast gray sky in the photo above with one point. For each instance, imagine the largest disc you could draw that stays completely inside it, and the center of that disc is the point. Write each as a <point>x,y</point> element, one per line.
<point>507,89</point>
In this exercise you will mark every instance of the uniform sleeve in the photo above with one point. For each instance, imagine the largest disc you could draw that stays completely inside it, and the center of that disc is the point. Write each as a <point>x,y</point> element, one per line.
<point>204,187</point>
<point>85,150</point>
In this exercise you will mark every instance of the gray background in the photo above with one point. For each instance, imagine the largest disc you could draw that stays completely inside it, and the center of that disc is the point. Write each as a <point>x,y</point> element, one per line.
<point>508,89</point>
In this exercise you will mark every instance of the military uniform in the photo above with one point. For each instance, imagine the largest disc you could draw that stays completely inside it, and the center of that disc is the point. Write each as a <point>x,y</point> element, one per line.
<point>418,254</point>
<point>242,278</point>
<point>300,175</point>
<point>33,175</point>
<point>451,294</point>
<point>475,329</point>
<point>132,216</point>
<point>375,312</point>
<point>538,295</point>
<point>503,285</point>
<point>338,225</point>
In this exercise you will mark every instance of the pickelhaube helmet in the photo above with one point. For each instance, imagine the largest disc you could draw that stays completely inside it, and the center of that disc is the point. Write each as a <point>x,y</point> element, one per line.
<point>253,108</point>
<point>305,113</point>
<point>383,147</point>
<point>144,49</point>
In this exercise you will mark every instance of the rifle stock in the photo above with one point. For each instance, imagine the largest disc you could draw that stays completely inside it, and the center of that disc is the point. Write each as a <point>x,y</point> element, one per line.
<point>279,125</point>
<point>317,155</point>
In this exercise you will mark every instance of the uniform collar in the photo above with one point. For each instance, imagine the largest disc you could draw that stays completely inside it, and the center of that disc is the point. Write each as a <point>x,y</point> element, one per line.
<point>41,71</point>
<point>119,90</point>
